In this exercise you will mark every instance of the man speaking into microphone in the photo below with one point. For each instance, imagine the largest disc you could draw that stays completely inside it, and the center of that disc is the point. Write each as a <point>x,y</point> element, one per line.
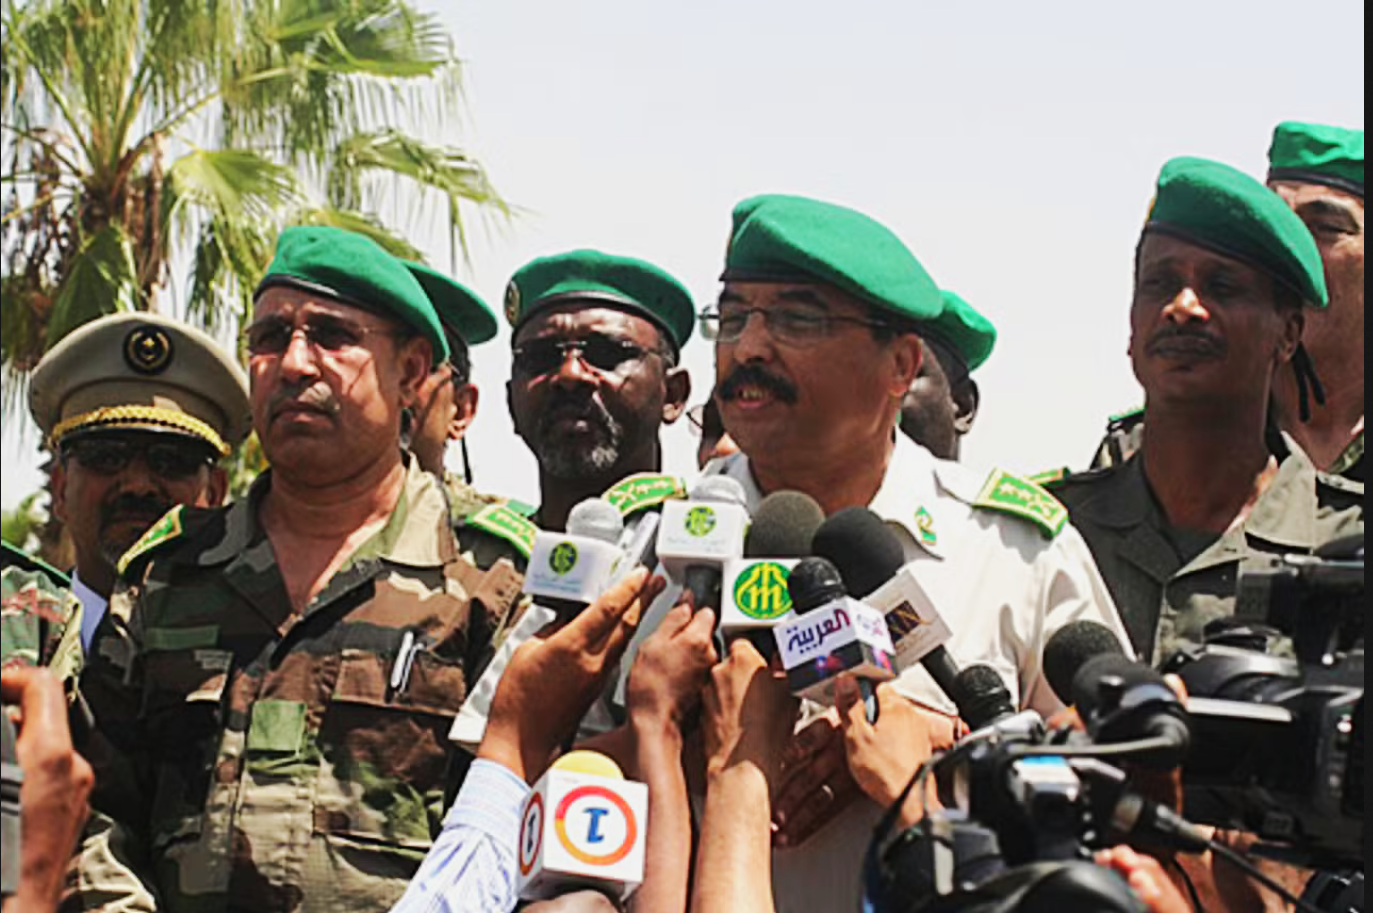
<point>817,340</point>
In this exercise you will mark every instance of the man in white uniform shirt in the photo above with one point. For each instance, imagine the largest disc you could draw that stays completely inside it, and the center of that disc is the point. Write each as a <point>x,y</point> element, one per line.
<point>817,342</point>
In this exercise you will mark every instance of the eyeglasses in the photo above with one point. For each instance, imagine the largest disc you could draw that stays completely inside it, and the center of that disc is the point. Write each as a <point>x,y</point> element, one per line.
<point>273,336</point>
<point>171,460</point>
<point>603,353</point>
<point>794,325</point>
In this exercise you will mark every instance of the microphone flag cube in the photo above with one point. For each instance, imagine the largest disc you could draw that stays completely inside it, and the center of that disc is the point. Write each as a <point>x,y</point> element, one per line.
<point>582,830</point>
<point>842,636</point>
<point>574,568</point>
<point>755,593</point>
<point>700,533</point>
<point>914,623</point>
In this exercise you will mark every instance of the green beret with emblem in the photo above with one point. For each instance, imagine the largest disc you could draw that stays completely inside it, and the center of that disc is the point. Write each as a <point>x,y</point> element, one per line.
<point>1226,211</point>
<point>778,238</point>
<point>1317,154</point>
<point>968,335</point>
<point>140,371</point>
<point>463,314</point>
<point>606,280</point>
<point>354,270</point>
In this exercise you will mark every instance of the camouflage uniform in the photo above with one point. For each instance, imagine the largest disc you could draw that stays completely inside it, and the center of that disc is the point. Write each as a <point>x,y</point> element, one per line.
<point>272,761</point>
<point>40,619</point>
<point>1167,600</point>
<point>489,527</point>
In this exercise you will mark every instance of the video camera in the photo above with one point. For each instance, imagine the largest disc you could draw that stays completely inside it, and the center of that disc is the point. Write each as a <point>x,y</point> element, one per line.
<point>1278,736</point>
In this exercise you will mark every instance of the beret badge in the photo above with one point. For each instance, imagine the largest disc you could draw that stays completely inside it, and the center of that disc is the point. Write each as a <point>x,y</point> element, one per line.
<point>512,303</point>
<point>148,349</point>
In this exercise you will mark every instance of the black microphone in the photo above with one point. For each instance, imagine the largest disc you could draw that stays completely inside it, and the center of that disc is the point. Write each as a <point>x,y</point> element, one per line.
<point>1121,700</point>
<point>783,526</point>
<point>981,697</point>
<point>1071,647</point>
<point>869,555</point>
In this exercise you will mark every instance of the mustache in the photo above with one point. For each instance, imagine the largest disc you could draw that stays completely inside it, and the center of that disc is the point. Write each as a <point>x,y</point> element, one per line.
<point>751,375</point>
<point>312,396</point>
<point>130,506</point>
<point>1206,342</point>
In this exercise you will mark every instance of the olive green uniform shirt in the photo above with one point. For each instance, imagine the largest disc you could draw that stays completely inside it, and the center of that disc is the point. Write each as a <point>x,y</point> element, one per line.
<point>267,760</point>
<point>1165,598</point>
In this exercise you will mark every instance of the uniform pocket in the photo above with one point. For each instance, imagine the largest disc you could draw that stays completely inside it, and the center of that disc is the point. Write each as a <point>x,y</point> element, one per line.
<point>183,717</point>
<point>386,750</point>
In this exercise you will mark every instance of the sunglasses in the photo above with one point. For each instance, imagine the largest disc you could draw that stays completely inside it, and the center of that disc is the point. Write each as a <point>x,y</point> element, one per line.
<point>170,460</point>
<point>603,353</point>
<point>323,334</point>
<point>798,326</point>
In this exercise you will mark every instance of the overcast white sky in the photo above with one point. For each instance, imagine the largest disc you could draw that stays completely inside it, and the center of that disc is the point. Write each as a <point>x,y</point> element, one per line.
<point>1012,145</point>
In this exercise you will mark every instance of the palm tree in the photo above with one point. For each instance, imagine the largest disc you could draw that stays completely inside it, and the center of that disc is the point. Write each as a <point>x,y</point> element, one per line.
<point>139,134</point>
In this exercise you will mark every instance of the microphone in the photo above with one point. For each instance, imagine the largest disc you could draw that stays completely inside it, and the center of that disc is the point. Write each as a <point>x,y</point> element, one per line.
<point>1121,700</point>
<point>833,634</point>
<point>697,536</point>
<point>583,827</point>
<point>567,571</point>
<point>872,562</point>
<point>754,596</point>
<point>981,697</point>
<point>1070,648</point>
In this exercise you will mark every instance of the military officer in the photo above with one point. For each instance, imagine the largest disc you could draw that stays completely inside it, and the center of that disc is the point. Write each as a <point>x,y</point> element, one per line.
<point>1318,171</point>
<point>277,678</point>
<point>1224,275</point>
<point>942,404</point>
<point>489,527</point>
<point>139,410</point>
<point>595,375</point>
<point>817,342</point>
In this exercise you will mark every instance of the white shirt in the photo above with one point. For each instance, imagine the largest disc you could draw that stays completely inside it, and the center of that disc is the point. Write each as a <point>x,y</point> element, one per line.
<point>1002,586</point>
<point>93,607</point>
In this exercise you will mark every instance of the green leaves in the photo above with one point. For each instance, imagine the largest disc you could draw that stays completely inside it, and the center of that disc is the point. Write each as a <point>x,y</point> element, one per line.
<point>101,279</point>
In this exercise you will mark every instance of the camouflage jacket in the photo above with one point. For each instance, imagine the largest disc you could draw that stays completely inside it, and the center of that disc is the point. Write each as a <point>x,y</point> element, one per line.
<point>40,618</point>
<point>266,760</point>
<point>1166,601</point>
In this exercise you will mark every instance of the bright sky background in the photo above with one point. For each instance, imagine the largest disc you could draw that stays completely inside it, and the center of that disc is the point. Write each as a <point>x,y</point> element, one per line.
<point>1012,145</point>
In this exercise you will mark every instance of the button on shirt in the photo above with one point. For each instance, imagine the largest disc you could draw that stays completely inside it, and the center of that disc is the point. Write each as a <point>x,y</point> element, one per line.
<point>1002,586</point>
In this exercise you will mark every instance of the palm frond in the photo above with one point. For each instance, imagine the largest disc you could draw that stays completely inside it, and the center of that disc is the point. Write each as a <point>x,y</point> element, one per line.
<point>101,279</point>
<point>363,224</point>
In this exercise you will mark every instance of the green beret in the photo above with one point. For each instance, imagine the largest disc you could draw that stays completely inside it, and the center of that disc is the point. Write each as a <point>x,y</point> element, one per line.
<point>144,372</point>
<point>355,270</point>
<point>463,314</point>
<point>1317,154</point>
<point>788,239</point>
<point>965,332</point>
<point>1225,210</point>
<point>601,279</point>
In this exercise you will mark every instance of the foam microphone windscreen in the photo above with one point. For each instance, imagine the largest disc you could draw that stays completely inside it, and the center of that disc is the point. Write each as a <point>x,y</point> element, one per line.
<point>596,519</point>
<point>721,489</point>
<point>783,526</point>
<point>861,545</point>
<point>813,583</point>
<point>1070,649</point>
<point>981,696</point>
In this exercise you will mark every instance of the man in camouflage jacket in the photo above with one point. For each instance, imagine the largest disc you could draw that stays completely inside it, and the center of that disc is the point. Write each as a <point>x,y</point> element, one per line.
<point>275,680</point>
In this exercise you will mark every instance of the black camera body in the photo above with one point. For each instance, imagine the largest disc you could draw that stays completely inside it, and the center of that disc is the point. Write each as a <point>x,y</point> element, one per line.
<point>1278,741</point>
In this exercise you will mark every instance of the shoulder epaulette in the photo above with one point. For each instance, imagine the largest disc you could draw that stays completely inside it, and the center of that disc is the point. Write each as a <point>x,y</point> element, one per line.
<point>524,510</point>
<point>643,491</point>
<point>168,529</point>
<point>15,556</point>
<point>1020,497</point>
<point>1126,418</point>
<point>1050,476</point>
<point>501,521</point>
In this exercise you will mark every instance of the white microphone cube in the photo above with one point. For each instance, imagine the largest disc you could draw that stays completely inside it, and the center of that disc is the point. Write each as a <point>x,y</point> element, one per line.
<point>575,568</point>
<point>582,830</point>
<point>754,594</point>
<point>700,533</point>
<point>914,622</point>
<point>843,636</point>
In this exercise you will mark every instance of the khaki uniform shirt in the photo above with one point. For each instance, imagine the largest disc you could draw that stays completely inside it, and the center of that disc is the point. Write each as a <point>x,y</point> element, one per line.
<point>266,760</point>
<point>1167,602</point>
